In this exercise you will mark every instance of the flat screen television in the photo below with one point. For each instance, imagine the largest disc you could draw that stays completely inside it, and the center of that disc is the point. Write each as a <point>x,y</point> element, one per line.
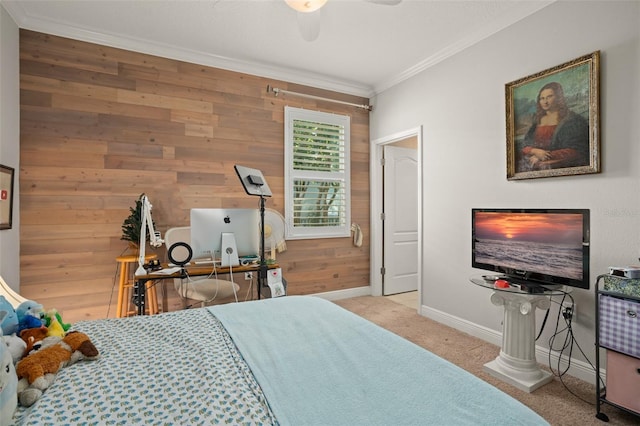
<point>207,226</point>
<point>544,247</point>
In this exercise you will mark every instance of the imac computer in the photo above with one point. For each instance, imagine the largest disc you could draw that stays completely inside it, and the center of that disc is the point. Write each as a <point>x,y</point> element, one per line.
<point>209,225</point>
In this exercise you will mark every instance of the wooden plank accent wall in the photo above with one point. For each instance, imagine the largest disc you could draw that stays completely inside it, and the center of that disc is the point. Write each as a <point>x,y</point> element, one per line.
<point>100,126</point>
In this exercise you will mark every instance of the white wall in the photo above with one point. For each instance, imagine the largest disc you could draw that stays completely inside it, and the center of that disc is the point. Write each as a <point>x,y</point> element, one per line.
<point>461,104</point>
<point>10,141</point>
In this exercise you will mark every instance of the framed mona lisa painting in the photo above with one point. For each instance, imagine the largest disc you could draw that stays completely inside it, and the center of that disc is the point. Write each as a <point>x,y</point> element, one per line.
<point>553,120</point>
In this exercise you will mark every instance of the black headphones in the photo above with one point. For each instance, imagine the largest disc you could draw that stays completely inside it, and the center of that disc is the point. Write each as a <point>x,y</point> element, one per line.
<point>182,260</point>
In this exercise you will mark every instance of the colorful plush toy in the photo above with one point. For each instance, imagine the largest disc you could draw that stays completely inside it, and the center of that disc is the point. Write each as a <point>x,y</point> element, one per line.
<point>8,317</point>
<point>16,347</point>
<point>55,328</point>
<point>29,322</point>
<point>29,313</point>
<point>8,386</point>
<point>32,337</point>
<point>37,371</point>
<point>53,315</point>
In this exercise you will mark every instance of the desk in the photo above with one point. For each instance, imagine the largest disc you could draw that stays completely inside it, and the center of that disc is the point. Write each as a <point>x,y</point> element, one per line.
<point>191,270</point>
<point>517,363</point>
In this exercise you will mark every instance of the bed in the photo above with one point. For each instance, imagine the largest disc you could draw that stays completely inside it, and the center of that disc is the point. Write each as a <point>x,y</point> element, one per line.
<point>295,360</point>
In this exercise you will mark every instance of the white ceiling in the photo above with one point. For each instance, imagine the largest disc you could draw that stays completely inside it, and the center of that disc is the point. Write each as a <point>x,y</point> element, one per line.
<point>363,48</point>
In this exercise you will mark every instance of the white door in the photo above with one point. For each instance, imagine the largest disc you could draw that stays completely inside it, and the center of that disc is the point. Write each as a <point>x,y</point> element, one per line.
<point>400,252</point>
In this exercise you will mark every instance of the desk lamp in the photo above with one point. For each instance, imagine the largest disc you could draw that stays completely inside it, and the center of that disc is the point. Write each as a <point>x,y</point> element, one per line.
<point>154,236</point>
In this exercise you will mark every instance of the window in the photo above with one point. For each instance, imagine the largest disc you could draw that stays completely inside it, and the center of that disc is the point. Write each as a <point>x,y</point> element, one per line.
<point>317,178</point>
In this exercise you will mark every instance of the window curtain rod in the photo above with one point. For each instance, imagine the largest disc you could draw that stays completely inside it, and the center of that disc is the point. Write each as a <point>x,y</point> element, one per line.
<point>277,91</point>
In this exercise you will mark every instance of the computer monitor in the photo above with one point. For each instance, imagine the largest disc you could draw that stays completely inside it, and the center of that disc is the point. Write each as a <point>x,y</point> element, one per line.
<point>208,225</point>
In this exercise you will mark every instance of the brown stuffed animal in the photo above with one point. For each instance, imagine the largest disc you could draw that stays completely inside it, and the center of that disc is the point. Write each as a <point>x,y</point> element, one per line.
<point>37,371</point>
<point>33,336</point>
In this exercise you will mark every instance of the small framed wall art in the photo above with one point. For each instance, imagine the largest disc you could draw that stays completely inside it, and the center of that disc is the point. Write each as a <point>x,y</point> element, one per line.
<point>553,121</point>
<point>6,196</point>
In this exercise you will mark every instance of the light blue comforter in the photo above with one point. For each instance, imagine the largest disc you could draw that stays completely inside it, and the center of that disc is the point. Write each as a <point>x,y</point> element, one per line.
<point>319,364</point>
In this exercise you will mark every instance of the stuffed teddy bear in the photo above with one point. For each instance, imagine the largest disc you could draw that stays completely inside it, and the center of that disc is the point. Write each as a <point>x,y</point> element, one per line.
<point>37,371</point>
<point>8,386</point>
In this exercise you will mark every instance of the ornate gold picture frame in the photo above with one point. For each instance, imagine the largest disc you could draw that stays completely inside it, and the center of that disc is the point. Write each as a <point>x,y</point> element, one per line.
<point>553,121</point>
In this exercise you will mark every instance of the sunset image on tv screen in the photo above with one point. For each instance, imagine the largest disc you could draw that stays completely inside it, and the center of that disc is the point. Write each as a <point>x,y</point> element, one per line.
<point>539,242</point>
<point>551,228</point>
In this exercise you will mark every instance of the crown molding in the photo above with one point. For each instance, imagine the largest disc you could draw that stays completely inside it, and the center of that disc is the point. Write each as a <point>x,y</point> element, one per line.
<point>505,21</point>
<point>62,29</point>
<point>291,75</point>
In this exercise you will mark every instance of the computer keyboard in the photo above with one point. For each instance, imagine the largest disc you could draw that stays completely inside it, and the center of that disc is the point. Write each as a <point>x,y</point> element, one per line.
<point>205,262</point>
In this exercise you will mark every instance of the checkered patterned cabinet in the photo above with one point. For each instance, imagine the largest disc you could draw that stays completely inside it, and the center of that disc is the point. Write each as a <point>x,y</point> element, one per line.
<point>618,330</point>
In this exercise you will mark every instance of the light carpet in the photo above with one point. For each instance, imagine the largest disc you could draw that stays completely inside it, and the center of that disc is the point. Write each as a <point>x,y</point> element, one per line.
<point>552,401</point>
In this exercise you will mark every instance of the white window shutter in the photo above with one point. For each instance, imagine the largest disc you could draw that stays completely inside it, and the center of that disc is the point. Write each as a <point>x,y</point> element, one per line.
<point>317,174</point>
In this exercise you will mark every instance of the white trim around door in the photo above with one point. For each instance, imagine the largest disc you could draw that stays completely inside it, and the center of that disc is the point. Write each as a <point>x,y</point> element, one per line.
<point>376,191</point>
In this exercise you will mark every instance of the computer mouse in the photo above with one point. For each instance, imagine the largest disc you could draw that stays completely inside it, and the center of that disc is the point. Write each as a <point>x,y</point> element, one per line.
<point>501,284</point>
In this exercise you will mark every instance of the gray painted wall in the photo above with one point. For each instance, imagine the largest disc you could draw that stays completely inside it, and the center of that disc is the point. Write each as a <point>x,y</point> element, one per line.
<point>461,104</point>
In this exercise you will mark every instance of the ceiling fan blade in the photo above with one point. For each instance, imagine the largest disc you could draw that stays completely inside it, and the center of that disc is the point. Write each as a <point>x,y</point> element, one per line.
<point>309,25</point>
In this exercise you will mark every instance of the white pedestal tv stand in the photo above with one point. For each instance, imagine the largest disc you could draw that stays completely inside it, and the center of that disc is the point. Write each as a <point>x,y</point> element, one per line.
<point>516,364</point>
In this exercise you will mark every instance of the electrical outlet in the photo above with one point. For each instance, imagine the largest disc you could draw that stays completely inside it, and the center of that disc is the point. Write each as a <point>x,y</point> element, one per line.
<point>248,276</point>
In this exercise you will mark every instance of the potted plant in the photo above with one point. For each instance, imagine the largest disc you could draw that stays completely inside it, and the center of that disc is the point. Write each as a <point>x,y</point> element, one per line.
<point>131,225</point>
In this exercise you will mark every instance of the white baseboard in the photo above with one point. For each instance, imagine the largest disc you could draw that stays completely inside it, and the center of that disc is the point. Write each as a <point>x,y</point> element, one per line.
<point>580,369</point>
<point>345,294</point>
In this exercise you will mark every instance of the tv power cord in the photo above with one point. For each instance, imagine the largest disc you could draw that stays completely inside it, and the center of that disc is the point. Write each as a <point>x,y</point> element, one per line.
<point>568,343</point>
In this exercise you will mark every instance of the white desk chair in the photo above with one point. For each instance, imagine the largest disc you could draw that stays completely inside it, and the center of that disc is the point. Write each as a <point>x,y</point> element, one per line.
<point>204,289</point>
<point>12,297</point>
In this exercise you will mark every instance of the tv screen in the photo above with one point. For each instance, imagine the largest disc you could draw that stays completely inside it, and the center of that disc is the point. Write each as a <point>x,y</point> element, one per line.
<point>537,246</point>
